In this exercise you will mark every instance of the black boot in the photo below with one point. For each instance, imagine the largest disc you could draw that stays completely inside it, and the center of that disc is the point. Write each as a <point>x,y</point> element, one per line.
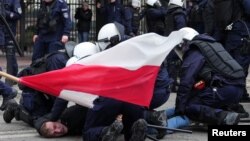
<point>139,130</point>
<point>157,118</point>
<point>238,108</point>
<point>9,113</point>
<point>111,132</point>
<point>229,118</point>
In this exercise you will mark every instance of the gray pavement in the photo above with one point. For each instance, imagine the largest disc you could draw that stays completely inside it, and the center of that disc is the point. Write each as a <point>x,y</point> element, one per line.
<point>19,131</point>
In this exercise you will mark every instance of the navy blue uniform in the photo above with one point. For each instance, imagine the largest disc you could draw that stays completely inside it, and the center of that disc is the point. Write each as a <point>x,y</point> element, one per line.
<point>105,112</point>
<point>205,105</point>
<point>132,19</point>
<point>155,17</point>
<point>37,103</point>
<point>234,44</point>
<point>5,89</point>
<point>161,88</point>
<point>52,24</point>
<point>195,10</point>
<point>12,13</point>
<point>176,19</point>
<point>113,12</point>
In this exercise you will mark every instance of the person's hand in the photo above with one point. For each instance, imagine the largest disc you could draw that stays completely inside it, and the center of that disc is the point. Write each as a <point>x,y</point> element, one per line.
<point>34,38</point>
<point>64,39</point>
<point>98,5</point>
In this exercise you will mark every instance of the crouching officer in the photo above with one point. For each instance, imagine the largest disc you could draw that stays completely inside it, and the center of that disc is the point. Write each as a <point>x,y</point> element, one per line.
<point>34,104</point>
<point>210,81</point>
<point>53,25</point>
<point>11,12</point>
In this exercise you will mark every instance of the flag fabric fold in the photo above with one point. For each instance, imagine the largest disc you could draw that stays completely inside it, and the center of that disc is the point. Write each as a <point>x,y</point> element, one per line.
<point>126,72</point>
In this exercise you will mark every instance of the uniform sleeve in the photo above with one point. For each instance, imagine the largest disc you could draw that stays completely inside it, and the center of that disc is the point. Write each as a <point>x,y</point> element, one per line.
<point>13,10</point>
<point>180,20</point>
<point>128,20</point>
<point>157,12</point>
<point>66,19</point>
<point>191,66</point>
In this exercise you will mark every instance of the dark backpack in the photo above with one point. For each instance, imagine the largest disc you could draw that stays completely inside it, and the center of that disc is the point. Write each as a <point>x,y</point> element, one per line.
<point>38,66</point>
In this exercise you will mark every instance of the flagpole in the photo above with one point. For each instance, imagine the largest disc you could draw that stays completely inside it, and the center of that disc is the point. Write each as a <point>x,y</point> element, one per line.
<point>8,76</point>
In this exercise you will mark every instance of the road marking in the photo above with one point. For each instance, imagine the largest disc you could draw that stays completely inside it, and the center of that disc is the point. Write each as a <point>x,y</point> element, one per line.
<point>18,134</point>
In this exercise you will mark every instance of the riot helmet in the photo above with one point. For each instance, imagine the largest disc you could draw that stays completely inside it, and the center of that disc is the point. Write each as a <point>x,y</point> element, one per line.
<point>82,50</point>
<point>110,35</point>
<point>188,35</point>
<point>156,3</point>
<point>176,2</point>
<point>136,3</point>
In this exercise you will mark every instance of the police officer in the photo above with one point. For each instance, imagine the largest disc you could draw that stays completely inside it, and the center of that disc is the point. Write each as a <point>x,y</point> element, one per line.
<point>155,16</point>
<point>132,17</point>
<point>11,12</point>
<point>113,11</point>
<point>195,10</point>
<point>53,25</point>
<point>211,80</point>
<point>100,122</point>
<point>35,104</point>
<point>238,42</point>
<point>175,19</point>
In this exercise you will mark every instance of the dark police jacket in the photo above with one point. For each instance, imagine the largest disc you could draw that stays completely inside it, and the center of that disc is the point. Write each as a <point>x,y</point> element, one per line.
<point>193,63</point>
<point>53,21</point>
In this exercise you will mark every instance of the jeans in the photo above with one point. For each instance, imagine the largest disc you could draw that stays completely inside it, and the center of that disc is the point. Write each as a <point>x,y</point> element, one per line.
<point>83,36</point>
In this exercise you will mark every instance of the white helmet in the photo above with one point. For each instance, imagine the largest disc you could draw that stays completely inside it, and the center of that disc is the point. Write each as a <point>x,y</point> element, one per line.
<point>107,34</point>
<point>176,2</point>
<point>189,33</point>
<point>151,2</point>
<point>136,3</point>
<point>71,60</point>
<point>84,49</point>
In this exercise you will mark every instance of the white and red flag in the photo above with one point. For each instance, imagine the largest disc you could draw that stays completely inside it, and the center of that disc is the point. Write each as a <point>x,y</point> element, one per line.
<point>126,72</point>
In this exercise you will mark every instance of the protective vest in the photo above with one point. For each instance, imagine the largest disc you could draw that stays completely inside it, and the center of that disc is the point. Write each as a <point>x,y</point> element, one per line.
<point>217,59</point>
<point>45,18</point>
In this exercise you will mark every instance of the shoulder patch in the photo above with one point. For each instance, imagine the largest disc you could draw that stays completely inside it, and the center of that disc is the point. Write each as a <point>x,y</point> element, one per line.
<point>64,9</point>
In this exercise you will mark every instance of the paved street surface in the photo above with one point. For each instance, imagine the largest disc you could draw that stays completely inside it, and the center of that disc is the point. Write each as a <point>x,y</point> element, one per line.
<point>19,131</point>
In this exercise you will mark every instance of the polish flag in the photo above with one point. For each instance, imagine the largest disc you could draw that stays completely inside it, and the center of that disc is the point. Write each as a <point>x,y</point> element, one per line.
<point>126,72</point>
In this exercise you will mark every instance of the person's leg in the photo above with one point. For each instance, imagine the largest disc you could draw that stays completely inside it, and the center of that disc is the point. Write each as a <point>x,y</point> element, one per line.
<point>80,37</point>
<point>39,49</point>
<point>102,115</point>
<point>85,37</point>
<point>12,67</point>
<point>208,106</point>
<point>131,113</point>
<point>8,93</point>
